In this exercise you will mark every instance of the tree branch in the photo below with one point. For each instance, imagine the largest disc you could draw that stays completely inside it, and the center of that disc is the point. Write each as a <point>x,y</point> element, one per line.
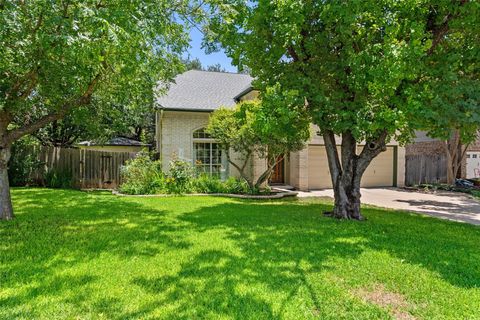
<point>370,151</point>
<point>84,99</point>
<point>439,31</point>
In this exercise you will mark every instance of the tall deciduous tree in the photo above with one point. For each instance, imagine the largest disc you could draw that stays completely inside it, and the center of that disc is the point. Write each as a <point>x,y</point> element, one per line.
<point>361,65</point>
<point>61,55</point>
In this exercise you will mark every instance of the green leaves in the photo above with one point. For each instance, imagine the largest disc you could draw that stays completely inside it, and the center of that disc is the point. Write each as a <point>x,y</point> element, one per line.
<point>272,126</point>
<point>53,51</point>
<point>366,66</point>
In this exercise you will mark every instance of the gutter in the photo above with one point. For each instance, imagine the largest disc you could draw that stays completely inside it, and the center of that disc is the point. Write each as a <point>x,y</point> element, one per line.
<point>187,110</point>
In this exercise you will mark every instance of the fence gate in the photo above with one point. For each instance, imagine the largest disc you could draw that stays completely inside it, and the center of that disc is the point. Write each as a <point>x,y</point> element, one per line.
<point>87,168</point>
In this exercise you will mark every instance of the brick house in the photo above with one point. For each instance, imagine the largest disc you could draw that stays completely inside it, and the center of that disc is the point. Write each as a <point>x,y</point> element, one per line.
<point>182,114</point>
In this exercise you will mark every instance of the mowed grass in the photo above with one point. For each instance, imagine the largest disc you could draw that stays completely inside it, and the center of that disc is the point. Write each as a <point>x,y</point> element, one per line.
<point>76,255</point>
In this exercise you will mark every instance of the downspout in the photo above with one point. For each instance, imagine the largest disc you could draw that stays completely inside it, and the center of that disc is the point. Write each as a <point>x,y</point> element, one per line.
<point>160,134</point>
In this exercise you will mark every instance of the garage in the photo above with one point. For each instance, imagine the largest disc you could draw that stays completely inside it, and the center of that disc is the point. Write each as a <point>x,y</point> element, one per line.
<point>473,165</point>
<point>380,173</point>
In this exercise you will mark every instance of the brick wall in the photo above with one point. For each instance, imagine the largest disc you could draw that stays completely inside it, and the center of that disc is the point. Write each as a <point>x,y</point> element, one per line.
<point>175,136</point>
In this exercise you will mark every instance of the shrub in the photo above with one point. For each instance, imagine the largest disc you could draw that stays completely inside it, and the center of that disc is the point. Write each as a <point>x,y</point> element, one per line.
<point>180,177</point>
<point>23,162</point>
<point>61,179</point>
<point>235,185</point>
<point>208,184</point>
<point>142,175</point>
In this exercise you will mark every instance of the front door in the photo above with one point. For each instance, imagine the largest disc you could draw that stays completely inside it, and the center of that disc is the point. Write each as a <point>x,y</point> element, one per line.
<point>278,174</point>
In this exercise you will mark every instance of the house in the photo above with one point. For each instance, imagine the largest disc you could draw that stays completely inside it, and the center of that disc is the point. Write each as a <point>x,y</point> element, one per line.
<point>117,144</point>
<point>427,156</point>
<point>182,115</point>
<point>472,161</point>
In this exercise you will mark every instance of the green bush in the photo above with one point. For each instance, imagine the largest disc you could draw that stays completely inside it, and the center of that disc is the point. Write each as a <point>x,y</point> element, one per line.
<point>61,179</point>
<point>142,175</point>
<point>209,184</point>
<point>181,175</point>
<point>23,162</point>
<point>237,186</point>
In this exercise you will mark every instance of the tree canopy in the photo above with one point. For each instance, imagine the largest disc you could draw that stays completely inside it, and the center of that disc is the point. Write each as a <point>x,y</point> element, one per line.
<point>63,55</point>
<point>369,70</point>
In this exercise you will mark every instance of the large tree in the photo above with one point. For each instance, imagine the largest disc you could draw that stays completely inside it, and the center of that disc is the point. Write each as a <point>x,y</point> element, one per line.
<point>361,65</point>
<point>61,55</point>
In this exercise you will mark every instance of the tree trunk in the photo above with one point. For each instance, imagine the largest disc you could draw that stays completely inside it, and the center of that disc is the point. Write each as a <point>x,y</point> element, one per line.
<point>272,161</point>
<point>241,169</point>
<point>6,209</point>
<point>455,156</point>
<point>347,169</point>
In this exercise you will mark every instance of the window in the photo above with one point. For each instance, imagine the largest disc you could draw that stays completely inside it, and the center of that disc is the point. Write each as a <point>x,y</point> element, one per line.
<point>208,157</point>
<point>201,134</point>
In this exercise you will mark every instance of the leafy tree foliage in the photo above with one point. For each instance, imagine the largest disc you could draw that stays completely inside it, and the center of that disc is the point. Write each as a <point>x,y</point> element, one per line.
<point>196,64</point>
<point>62,55</point>
<point>269,128</point>
<point>367,69</point>
<point>448,106</point>
<point>193,64</point>
<point>216,68</point>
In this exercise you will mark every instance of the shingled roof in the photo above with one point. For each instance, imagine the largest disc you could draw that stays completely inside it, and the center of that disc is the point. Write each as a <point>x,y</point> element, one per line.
<point>197,90</point>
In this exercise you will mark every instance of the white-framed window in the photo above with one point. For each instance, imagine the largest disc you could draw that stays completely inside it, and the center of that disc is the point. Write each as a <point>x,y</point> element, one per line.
<point>208,156</point>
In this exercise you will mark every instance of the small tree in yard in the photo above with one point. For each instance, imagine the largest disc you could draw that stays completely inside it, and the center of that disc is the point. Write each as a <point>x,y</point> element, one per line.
<point>62,55</point>
<point>362,66</point>
<point>269,128</point>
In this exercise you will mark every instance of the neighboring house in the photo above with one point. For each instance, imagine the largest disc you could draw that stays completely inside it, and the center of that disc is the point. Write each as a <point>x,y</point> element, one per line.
<point>472,161</point>
<point>427,156</point>
<point>182,114</point>
<point>118,144</point>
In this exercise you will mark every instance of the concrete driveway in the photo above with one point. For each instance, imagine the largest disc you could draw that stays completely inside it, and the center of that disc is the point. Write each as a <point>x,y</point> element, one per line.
<point>445,205</point>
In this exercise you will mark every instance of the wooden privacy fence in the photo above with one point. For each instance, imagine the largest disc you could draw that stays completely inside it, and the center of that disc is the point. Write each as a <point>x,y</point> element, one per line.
<point>425,169</point>
<point>87,168</point>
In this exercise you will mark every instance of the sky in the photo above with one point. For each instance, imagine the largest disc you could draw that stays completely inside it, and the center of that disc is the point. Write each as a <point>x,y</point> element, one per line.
<point>196,51</point>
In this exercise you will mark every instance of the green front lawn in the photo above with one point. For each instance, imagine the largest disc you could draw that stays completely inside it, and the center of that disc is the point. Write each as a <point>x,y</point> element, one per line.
<point>73,255</point>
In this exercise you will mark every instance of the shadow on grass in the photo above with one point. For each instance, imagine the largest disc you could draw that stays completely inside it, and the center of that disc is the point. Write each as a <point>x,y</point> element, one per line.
<point>289,232</point>
<point>279,243</point>
<point>283,242</point>
<point>58,229</point>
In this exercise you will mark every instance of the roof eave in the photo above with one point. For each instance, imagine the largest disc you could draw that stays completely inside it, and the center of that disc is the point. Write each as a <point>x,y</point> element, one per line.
<point>241,94</point>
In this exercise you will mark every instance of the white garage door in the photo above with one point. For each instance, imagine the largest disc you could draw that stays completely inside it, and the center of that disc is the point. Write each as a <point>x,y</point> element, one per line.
<point>473,165</point>
<point>380,173</point>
